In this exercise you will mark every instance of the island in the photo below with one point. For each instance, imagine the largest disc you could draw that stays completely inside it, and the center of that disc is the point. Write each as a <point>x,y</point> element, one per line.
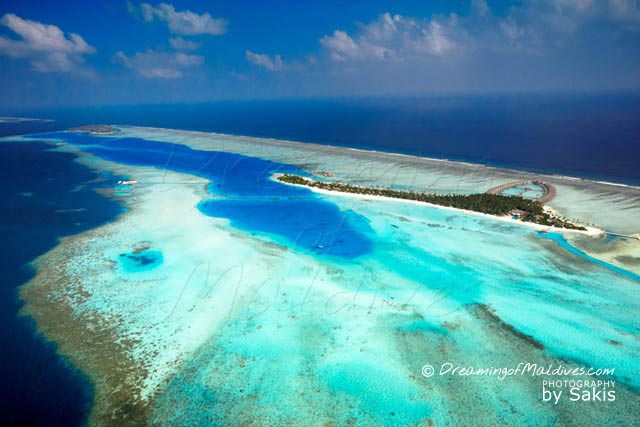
<point>95,129</point>
<point>488,203</point>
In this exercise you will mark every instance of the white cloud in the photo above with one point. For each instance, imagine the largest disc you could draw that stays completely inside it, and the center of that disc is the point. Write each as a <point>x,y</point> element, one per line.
<point>186,23</point>
<point>529,27</point>
<point>186,60</point>
<point>178,43</point>
<point>158,65</point>
<point>45,46</point>
<point>480,8</point>
<point>395,37</point>
<point>582,5</point>
<point>566,17</point>
<point>433,40</point>
<point>271,63</point>
<point>512,31</point>
<point>341,46</point>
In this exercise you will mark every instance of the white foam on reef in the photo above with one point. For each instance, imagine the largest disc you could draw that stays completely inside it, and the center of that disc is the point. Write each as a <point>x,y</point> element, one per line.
<point>239,328</point>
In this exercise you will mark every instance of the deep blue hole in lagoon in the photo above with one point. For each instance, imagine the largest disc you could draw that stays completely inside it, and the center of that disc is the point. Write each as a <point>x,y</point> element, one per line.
<point>250,199</point>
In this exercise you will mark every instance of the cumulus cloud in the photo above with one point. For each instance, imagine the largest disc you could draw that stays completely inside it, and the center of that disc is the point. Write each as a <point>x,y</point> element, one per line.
<point>395,37</point>
<point>341,46</point>
<point>178,43</point>
<point>529,27</point>
<point>158,65</point>
<point>185,60</point>
<point>433,40</point>
<point>271,63</point>
<point>571,16</point>
<point>186,23</point>
<point>45,46</point>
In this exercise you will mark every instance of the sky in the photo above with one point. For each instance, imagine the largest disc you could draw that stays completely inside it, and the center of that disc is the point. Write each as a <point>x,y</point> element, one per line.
<point>94,52</point>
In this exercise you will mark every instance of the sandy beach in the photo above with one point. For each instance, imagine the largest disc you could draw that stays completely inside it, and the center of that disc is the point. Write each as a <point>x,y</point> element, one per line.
<point>590,231</point>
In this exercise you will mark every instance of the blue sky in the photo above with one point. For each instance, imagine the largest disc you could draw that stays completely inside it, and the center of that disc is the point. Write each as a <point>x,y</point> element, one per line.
<point>119,52</point>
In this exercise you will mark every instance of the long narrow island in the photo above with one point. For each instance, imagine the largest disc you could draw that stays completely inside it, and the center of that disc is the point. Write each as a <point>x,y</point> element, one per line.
<point>492,204</point>
<point>95,129</point>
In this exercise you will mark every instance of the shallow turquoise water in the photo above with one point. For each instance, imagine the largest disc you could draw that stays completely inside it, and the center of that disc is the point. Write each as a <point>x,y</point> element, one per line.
<point>354,298</point>
<point>529,191</point>
<point>389,398</point>
<point>560,240</point>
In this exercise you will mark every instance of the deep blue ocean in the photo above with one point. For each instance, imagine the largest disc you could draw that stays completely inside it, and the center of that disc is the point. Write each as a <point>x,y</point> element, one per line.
<point>590,137</point>
<point>38,388</point>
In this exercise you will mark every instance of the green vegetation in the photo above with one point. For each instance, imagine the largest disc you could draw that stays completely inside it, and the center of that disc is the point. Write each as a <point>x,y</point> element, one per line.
<point>95,129</point>
<point>493,204</point>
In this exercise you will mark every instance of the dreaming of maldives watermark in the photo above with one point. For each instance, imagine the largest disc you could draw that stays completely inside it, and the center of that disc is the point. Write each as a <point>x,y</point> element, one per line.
<point>554,386</point>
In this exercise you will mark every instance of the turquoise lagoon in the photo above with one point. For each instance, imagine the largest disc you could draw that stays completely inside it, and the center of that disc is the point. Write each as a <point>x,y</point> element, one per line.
<point>255,303</point>
<point>529,191</point>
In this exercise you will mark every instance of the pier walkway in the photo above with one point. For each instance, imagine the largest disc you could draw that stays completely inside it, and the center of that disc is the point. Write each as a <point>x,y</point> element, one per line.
<point>548,190</point>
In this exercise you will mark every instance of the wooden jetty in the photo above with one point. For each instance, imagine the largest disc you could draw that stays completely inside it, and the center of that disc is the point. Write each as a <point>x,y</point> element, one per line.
<point>548,190</point>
